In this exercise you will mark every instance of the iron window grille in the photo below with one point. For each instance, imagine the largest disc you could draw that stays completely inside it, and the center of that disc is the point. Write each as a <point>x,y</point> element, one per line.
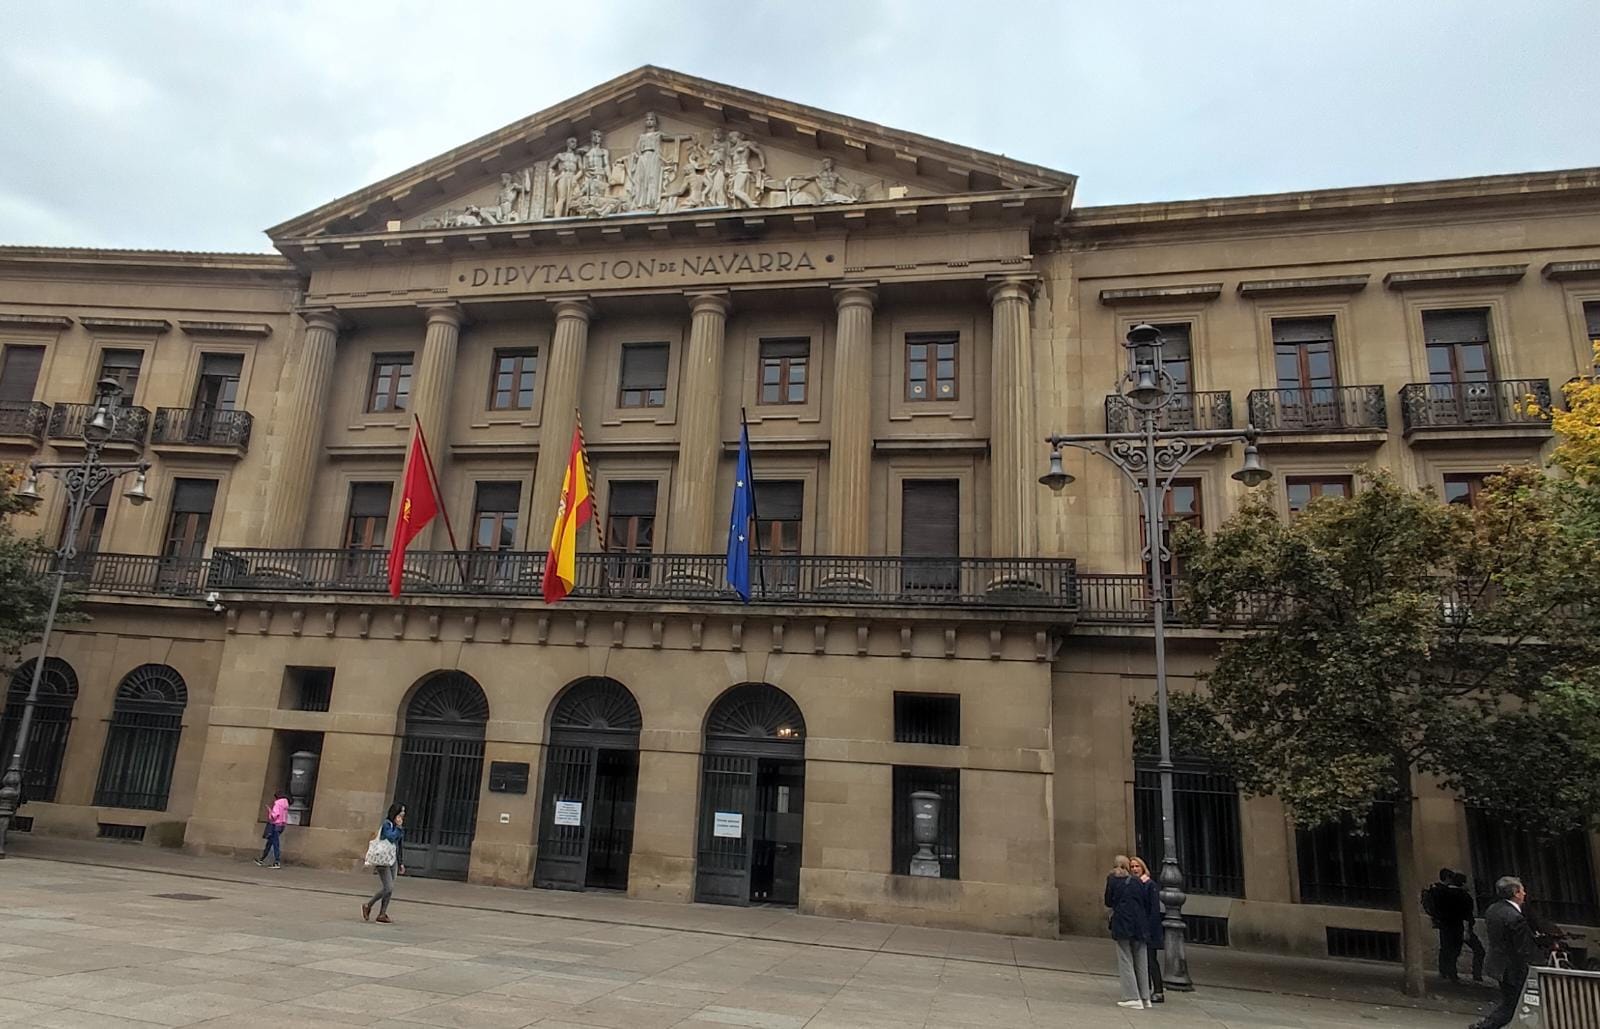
<point>1363,944</point>
<point>52,719</point>
<point>946,782</point>
<point>1351,864</point>
<point>142,745</point>
<point>1556,869</point>
<point>1205,807</point>
<point>928,718</point>
<point>310,689</point>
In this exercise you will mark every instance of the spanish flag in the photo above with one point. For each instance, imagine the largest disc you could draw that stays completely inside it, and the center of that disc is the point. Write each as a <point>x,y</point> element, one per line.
<point>577,507</point>
<point>418,504</point>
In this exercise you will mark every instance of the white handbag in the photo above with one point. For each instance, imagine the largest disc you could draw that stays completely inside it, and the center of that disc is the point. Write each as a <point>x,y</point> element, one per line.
<point>380,853</point>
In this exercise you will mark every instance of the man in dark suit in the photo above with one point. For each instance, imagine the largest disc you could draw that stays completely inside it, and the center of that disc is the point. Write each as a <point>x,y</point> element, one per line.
<point>1511,950</point>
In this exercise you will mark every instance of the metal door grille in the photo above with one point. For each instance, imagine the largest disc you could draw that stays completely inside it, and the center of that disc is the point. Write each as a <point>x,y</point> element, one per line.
<point>438,782</point>
<point>561,861</point>
<point>723,871</point>
<point>136,771</point>
<point>47,736</point>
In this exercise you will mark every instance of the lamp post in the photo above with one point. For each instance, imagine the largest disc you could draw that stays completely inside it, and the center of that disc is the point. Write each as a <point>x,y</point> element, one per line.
<point>1150,458</point>
<point>83,479</point>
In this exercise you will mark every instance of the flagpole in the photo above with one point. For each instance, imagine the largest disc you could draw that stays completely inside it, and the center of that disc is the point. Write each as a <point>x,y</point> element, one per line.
<point>438,491</point>
<point>755,512</point>
<point>588,473</point>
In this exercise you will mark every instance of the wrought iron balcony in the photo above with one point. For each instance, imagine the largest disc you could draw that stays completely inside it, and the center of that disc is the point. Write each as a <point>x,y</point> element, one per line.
<point>1211,409</point>
<point>1048,583</point>
<point>203,427</point>
<point>95,572</point>
<point>1325,409</point>
<point>1498,403</point>
<point>24,418</point>
<point>67,422</point>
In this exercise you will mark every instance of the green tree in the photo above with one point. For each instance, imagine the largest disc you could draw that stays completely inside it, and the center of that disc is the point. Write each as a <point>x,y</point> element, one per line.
<point>1389,634</point>
<point>22,579</point>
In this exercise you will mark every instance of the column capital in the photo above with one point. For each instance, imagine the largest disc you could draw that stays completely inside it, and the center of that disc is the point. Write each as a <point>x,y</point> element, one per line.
<point>321,318</point>
<point>574,307</point>
<point>1013,287</point>
<point>719,300</point>
<point>446,312</point>
<point>858,294</point>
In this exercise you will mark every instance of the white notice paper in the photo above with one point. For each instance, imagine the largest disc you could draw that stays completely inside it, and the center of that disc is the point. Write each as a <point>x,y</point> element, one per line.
<point>569,812</point>
<point>727,823</point>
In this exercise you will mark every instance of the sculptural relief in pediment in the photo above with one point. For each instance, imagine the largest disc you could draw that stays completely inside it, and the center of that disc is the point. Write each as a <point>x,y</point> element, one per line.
<point>661,168</point>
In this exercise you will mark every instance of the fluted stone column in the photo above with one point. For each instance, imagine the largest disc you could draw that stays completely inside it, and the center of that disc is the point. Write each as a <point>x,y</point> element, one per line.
<point>563,378</point>
<point>430,406</point>
<point>1013,451</point>
<point>694,522</point>
<point>850,431</point>
<point>301,414</point>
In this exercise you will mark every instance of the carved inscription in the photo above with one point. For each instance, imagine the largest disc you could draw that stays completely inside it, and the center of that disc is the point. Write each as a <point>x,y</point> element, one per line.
<point>812,260</point>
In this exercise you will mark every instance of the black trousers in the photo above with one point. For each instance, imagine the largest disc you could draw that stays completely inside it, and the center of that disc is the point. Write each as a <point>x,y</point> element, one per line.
<point>1510,996</point>
<point>1476,946</point>
<point>1156,983</point>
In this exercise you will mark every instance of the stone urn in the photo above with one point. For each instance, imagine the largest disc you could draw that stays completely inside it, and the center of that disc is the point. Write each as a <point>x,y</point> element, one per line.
<point>925,806</point>
<point>302,777</point>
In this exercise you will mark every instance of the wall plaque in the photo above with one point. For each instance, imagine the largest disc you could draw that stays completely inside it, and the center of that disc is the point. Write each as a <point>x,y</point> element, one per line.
<point>727,824</point>
<point>508,777</point>
<point>569,812</point>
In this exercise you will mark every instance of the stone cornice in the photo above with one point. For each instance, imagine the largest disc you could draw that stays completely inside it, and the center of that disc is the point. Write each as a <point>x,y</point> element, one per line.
<point>1303,286</point>
<point>12,320</point>
<point>1437,278</point>
<point>1162,294</point>
<point>164,259</point>
<point>260,330</point>
<point>1561,271</point>
<point>125,325</point>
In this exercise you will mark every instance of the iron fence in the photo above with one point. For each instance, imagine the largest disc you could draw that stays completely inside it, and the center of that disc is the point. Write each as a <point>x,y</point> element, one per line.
<point>203,426</point>
<point>67,422</point>
<point>1208,409</point>
<point>24,418</point>
<point>1323,409</point>
<point>1499,402</point>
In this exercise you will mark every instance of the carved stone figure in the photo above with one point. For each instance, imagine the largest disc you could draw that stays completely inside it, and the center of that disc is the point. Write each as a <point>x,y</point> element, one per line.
<point>717,167</point>
<point>512,198</point>
<point>747,179</point>
<point>596,167</point>
<point>836,189</point>
<point>566,169</point>
<point>645,171</point>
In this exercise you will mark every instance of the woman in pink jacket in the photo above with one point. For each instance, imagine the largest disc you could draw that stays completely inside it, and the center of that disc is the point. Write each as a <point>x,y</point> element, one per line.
<point>277,816</point>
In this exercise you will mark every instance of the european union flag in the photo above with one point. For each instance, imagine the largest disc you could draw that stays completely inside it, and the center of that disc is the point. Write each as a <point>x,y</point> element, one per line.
<point>744,501</point>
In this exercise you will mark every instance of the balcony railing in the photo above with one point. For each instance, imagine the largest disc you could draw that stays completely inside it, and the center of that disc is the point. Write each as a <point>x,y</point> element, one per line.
<point>1500,402</point>
<point>67,422</point>
<point>799,579</point>
<point>24,418</point>
<point>94,572</point>
<point>1212,409</point>
<point>1323,409</point>
<point>202,426</point>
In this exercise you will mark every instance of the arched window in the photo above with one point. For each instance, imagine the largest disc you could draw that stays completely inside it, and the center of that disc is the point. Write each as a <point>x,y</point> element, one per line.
<point>47,737</point>
<point>136,771</point>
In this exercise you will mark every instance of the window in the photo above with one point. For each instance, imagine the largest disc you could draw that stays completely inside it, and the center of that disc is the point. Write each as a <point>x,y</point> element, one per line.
<point>1464,487</point>
<point>494,514</point>
<point>931,365</point>
<point>928,718</point>
<point>1591,317</point>
<point>946,846</point>
<point>1303,489</point>
<point>1205,809</point>
<point>142,744</point>
<point>1177,355</point>
<point>47,733</point>
<point>122,366</point>
<point>780,507</point>
<point>1184,507</point>
<point>306,689</point>
<point>218,389</point>
<point>930,533</point>
<point>784,369</point>
<point>1556,869</point>
<point>19,373</point>
<point>1350,865</point>
<point>1458,345</point>
<point>390,386</point>
<point>192,501</point>
<point>644,375</point>
<point>367,525</point>
<point>92,524</point>
<point>1303,353</point>
<point>511,385</point>
<point>630,530</point>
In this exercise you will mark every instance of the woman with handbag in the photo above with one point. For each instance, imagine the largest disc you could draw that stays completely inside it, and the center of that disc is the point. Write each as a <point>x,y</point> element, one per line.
<point>385,855</point>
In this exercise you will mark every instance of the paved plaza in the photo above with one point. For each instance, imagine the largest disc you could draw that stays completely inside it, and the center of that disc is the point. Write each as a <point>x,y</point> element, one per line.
<point>154,939</point>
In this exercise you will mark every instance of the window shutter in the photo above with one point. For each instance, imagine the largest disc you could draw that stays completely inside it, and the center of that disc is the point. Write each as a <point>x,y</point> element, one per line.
<point>632,499</point>
<point>194,496</point>
<point>1471,326</point>
<point>1591,313</point>
<point>775,348</point>
<point>222,366</point>
<point>20,373</point>
<point>498,497</point>
<point>930,518</point>
<point>644,366</point>
<point>1302,330</point>
<point>780,501</point>
<point>370,499</point>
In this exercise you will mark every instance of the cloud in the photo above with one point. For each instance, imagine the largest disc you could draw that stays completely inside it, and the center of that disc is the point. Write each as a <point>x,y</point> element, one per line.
<point>93,83</point>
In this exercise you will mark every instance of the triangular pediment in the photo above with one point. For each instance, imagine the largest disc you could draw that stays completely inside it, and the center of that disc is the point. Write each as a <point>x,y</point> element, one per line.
<point>654,143</point>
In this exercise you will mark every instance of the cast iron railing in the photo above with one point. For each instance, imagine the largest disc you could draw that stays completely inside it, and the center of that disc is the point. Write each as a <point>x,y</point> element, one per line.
<point>95,572</point>
<point>1211,409</point>
<point>1324,409</point>
<point>1499,402</point>
<point>202,426</point>
<point>67,421</point>
<point>24,418</point>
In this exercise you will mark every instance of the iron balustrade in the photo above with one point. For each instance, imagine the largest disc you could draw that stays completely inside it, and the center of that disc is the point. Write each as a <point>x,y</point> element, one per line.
<point>24,418</point>
<point>203,426</point>
<point>1321,409</point>
<point>1206,410</point>
<point>1048,583</point>
<point>95,572</point>
<point>1497,402</point>
<point>67,422</point>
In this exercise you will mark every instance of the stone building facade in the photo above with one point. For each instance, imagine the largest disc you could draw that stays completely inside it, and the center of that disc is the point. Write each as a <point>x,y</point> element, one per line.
<point>901,321</point>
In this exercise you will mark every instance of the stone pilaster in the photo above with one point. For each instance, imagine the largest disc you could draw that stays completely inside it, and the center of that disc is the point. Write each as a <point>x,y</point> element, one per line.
<point>693,526</point>
<point>303,408</point>
<point>430,404</point>
<point>850,430</point>
<point>563,377</point>
<point>1013,451</point>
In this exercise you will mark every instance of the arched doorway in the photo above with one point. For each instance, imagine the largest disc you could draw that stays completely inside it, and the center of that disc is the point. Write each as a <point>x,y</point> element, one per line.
<point>752,798</point>
<point>142,744</point>
<point>591,781</point>
<point>441,765</point>
<point>47,736</point>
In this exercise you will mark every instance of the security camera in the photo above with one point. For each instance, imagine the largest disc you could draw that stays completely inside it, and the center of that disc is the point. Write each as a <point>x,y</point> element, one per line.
<point>214,602</point>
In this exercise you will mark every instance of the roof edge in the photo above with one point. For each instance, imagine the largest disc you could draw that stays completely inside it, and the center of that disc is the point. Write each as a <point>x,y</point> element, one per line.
<point>191,260</point>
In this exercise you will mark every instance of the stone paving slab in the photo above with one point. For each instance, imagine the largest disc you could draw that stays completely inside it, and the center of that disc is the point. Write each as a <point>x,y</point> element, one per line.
<point>290,949</point>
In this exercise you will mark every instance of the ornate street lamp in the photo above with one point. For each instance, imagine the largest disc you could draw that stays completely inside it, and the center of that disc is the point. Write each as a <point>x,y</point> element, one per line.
<point>1150,458</point>
<point>83,480</point>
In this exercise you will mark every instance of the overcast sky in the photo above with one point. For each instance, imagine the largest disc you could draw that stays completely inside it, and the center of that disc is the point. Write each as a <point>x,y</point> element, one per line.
<point>195,125</point>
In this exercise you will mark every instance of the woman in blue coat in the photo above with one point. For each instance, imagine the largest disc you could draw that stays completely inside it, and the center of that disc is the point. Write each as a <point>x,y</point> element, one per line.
<point>393,830</point>
<point>1129,901</point>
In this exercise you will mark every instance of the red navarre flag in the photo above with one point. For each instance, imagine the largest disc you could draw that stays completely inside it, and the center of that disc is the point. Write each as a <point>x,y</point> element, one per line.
<point>418,504</point>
